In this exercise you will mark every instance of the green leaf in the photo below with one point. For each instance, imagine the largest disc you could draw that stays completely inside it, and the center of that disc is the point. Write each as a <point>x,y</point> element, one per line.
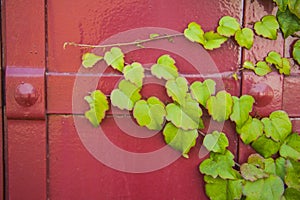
<point>134,73</point>
<point>153,35</point>
<point>216,142</point>
<point>241,108</point>
<point>274,58</point>
<point>194,33</point>
<point>292,178</point>
<point>280,167</point>
<point>257,160</point>
<point>296,51</point>
<point>278,126</point>
<point>228,26</point>
<point>291,147</point>
<point>282,64</point>
<point>219,165</point>
<point>252,173</point>
<point>249,65</point>
<point>251,130</point>
<point>165,68</point>
<point>282,4</point>
<point>125,96</point>
<point>186,116</point>
<point>289,23</point>
<point>90,59</point>
<point>294,6</point>
<point>150,113</point>
<point>180,139</point>
<point>264,189</point>
<point>115,58</point>
<point>177,89</point>
<point>244,37</point>
<point>202,91</point>
<point>213,40</point>
<point>220,106</point>
<point>267,27</point>
<point>291,194</point>
<point>265,146</point>
<point>262,68</point>
<point>98,106</point>
<point>220,189</point>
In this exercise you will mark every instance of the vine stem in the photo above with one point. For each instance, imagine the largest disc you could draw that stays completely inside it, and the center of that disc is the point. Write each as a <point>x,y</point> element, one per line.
<point>201,133</point>
<point>296,35</point>
<point>137,42</point>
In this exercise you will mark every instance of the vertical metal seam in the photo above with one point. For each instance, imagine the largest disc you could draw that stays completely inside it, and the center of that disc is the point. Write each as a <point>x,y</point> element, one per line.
<point>242,16</point>
<point>45,98</point>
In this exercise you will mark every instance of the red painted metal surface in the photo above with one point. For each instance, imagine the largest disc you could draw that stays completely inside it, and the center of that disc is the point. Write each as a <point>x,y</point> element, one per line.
<point>24,50</point>
<point>1,118</point>
<point>76,174</point>
<point>73,172</point>
<point>26,153</point>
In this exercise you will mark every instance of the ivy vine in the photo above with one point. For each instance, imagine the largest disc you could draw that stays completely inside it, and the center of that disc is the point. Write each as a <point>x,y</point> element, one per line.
<point>271,173</point>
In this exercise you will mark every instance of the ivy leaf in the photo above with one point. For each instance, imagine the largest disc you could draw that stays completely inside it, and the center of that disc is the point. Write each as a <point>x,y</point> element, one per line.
<point>98,106</point>
<point>202,91</point>
<point>241,108</point>
<point>90,59</point>
<point>282,64</point>
<point>219,189</point>
<point>291,147</point>
<point>177,89</point>
<point>267,27</point>
<point>220,106</point>
<point>291,194</point>
<point>153,35</point>
<point>194,33</point>
<point>180,139</point>
<point>252,173</point>
<point>150,113</point>
<point>185,116</point>
<point>292,178</point>
<point>219,165</point>
<point>273,58</point>
<point>296,51</point>
<point>257,160</point>
<point>213,40</point>
<point>228,26</point>
<point>289,23</point>
<point>294,6</point>
<point>265,146</point>
<point>244,37</point>
<point>165,68</point>
<point>134,73</point>
<point>262,68</point>
<point>264,189</point>
<point>115,58</point>
<point>249,65</point>
<point>251,130</point>
<point>216,142</point>
<point>280,167</point>
<point>125,96</point>
<point>278,126</point>
<point>282,4</point>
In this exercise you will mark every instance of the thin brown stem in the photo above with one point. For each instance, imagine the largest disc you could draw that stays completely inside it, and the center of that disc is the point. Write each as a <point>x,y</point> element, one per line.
<point>137,42</point>
<point>201,133</point>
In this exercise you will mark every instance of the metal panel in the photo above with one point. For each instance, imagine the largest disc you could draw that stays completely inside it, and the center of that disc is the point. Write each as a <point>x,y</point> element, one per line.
<point>73,171</point>
<point>24,36</point>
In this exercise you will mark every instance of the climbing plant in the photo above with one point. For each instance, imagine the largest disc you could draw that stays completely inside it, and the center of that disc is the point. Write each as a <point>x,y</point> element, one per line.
<point>273,172</point>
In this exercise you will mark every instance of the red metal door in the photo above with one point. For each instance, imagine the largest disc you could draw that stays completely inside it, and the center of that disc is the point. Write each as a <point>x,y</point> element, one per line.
<point>47,155</point>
